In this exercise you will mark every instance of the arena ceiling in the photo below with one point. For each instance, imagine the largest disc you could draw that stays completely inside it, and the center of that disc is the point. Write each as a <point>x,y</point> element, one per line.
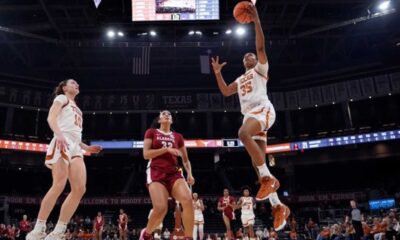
<point>309,42</point>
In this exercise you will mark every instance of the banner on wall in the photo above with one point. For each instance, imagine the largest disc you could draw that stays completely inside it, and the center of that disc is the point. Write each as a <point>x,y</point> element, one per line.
<point>144,200</point>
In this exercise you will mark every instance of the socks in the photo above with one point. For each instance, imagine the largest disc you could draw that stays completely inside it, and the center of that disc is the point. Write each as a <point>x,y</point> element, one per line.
<point>274,199</point>
<point>40,226</point>
<point>61,227</point>
<point>263,170</point>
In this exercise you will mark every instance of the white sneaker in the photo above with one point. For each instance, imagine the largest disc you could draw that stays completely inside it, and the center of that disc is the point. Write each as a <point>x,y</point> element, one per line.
<point>35,236</point>
<point>55,236</point>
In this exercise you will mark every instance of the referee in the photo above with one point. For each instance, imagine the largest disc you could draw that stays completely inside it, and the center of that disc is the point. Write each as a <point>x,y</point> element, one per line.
<point>355,215</point>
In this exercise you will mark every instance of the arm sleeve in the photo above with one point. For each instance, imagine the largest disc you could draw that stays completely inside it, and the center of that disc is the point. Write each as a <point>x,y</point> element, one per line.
<point>61,99</point>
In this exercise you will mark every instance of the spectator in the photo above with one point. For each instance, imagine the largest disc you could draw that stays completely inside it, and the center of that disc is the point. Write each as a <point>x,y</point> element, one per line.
<point>355,215</point>
<point>265,234</point>
<point>259,233</point>
<point>24,227</point>
<point>311,229</point>
<point>166,234</point>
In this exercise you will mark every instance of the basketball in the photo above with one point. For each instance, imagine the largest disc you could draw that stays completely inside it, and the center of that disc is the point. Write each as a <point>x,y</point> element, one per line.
<point>240,12</point>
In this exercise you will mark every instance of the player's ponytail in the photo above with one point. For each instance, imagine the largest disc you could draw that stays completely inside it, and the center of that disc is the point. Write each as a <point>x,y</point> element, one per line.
<point>59,89</point>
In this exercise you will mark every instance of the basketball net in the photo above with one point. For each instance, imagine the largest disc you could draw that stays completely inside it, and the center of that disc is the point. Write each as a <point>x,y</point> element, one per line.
<point>254,1</point>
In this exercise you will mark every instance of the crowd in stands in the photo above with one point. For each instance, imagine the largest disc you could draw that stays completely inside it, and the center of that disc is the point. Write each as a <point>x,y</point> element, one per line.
<point>381,225</point>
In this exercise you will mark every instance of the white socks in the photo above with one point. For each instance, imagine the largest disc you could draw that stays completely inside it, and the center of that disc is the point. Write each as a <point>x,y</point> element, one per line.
<point>40,226</point>
<point>274,199</point>
<point>263,170</point>
<point>61,227</point>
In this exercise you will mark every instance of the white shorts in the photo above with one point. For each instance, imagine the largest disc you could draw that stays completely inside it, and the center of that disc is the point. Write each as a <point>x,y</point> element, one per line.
<point>248,219</point>
<point>54,153</point>
<point>265,115</point>
<point>198,219</point>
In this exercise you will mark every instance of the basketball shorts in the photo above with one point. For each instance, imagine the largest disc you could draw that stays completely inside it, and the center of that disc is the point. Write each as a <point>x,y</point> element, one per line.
<point>265,115</point>
<point>166,179</point>
<point>247,219</point>
<point>54,153</point>
<point>198,218</point>
<point>123,227</point>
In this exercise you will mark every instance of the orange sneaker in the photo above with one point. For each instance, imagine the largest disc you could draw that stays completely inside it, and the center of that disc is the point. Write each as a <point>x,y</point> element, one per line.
<point>268,185</point>
<point>280,212</point>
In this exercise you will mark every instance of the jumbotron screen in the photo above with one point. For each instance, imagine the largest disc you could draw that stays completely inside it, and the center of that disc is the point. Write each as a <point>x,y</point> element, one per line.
<point>174,10</point>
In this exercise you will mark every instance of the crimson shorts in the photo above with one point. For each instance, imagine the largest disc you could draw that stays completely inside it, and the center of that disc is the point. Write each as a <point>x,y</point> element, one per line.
<point>166,179</point>
<point>123,227</point>
<point>98,228</point>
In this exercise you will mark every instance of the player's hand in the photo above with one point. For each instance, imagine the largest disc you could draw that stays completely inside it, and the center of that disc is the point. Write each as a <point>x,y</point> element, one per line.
<point>216,65</point>
<point>61,143</point>
<point>252,10</point>
<point>190,180</point>
<point>94,149</point>
<point>174,152</point>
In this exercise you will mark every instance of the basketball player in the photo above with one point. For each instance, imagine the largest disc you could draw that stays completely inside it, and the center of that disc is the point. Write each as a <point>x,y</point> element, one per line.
<point>158,230</point>
<point>247,204</point>
<point>122,224</point>
<point>161,147</point>
<point>198,217</point>
<point>259,115</point>
<point>226,204</point>
<point>65,159</point>
<point>98,225</point>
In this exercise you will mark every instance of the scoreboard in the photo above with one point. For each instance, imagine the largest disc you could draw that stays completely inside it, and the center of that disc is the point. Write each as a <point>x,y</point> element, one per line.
<point>174,10</point>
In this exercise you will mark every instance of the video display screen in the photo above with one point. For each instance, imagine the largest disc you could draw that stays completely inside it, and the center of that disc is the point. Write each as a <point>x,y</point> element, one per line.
<point>174,10</point>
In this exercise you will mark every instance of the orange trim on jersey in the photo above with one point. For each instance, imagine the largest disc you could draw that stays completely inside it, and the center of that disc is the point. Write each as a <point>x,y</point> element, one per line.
<point>76,156</point>
<point>49,157</point>
<point>265,77</point>
<point>258,112</point>
<point>65,104</point>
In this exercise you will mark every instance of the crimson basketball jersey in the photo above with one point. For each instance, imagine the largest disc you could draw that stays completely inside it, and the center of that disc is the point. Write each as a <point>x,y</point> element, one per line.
<point>228,210</point>
<point>166,162</point>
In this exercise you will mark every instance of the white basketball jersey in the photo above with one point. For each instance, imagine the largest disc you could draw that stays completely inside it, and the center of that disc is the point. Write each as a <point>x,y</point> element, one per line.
<point>197,207</point>
<point>70,118</point>
<point>252,88</point>
<point>247,205</point>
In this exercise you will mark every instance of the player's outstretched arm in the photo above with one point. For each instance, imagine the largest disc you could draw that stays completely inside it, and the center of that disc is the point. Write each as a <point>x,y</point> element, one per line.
<point>226,90</point>
<point>260,40</point>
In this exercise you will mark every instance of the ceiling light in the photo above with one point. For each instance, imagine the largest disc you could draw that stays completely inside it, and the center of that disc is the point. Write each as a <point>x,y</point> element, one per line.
<point>111,34</point>
<point>240,31</point>
<point>229,31</point>
<point>384,5</point>
<point>153,33</point>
